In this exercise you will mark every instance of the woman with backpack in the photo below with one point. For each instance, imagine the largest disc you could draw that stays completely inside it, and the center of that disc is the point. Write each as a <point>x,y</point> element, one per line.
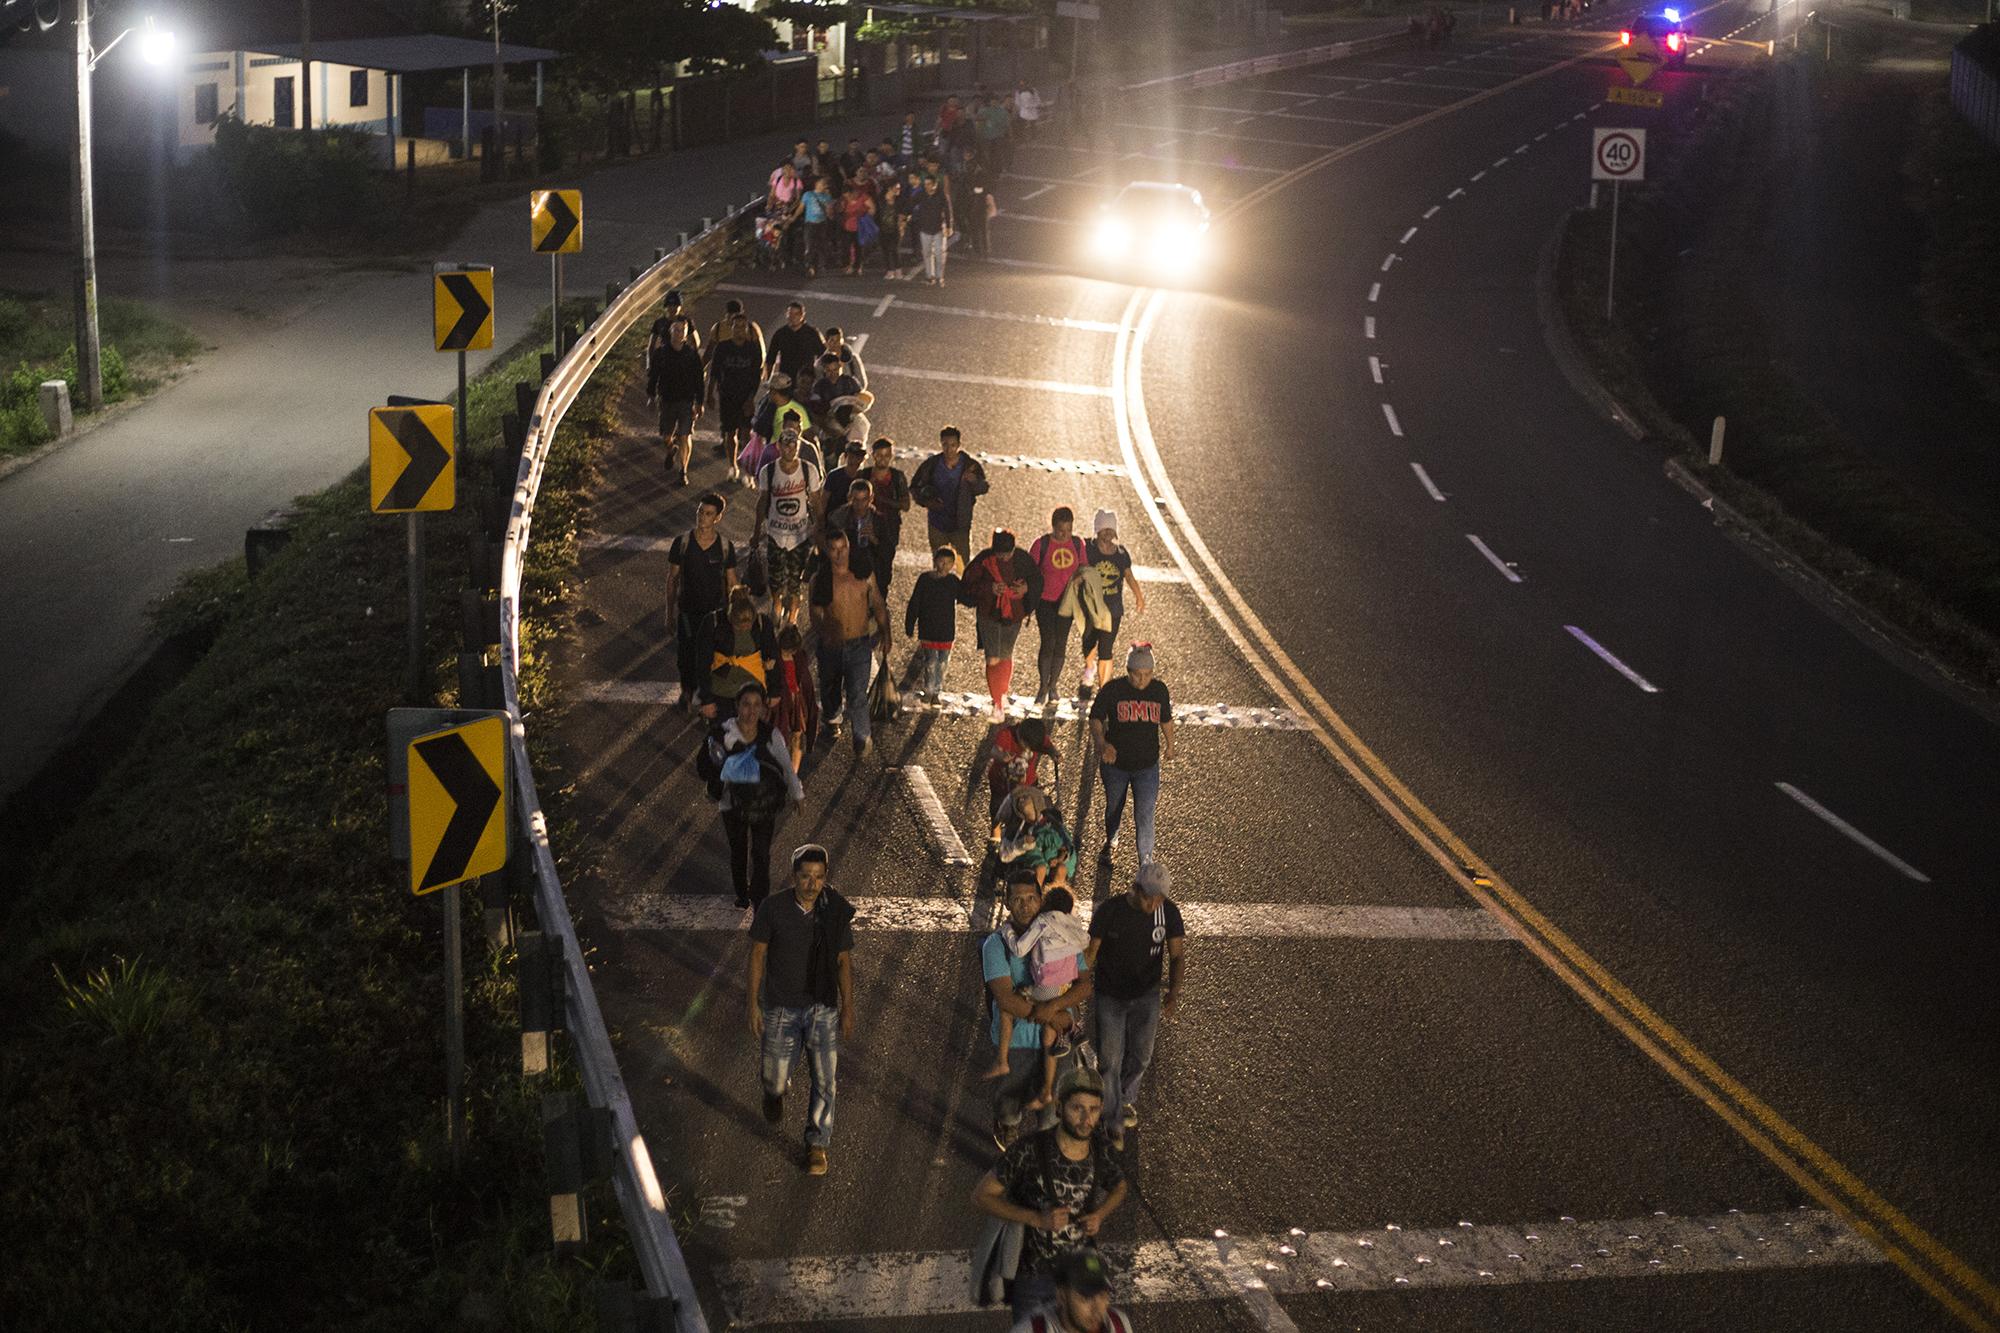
<point>747,762</point>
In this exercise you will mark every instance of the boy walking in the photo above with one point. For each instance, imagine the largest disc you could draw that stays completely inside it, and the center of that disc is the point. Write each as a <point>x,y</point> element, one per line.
<point>932,617</point>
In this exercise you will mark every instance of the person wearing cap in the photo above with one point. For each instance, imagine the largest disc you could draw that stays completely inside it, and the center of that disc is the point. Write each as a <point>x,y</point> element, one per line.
<point>1132,727</point>
<point>1060,1184</point>
<point>1111,563</point>
<point>948,484</point>
<point>1002,583</point>
<point>1135,938</point>
<point>1083,1300</point>
<point>1059,554</point>
<point>671,310</point>
<point>801,993</point>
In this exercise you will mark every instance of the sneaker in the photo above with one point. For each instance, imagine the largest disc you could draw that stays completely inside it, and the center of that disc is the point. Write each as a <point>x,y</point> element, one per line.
<point>815,1161</point>
<point>1085,690</point>
<point>1004,1134</point>
<point>1130,1120</point>
<point>774,1108</point>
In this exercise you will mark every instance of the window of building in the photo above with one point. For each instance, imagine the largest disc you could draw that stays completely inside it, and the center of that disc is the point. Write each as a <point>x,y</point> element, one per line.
<point>357,87</point>
<point>206,103</point>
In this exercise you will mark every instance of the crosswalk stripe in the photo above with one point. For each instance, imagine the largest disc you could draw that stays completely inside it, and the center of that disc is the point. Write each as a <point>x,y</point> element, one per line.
<point>816,1291</point>
<point>949,915</point>
<point>1147,574</point>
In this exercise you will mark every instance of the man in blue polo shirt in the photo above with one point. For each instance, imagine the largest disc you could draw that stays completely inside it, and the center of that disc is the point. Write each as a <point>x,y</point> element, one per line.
<point>1006,981</point>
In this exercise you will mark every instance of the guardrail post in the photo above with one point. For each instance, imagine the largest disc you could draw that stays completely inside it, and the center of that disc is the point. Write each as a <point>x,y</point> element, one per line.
<point>548,367</point>
<point>576,1141</point>
<point>543,992</point>
<point>482,560</point>
<point>497,912</point>
<point>611,290</point>
<point>683,243</point>
<point>1715,441</point>
<point>524,398</point>
<point>708,224</point>
<point>479,619</point>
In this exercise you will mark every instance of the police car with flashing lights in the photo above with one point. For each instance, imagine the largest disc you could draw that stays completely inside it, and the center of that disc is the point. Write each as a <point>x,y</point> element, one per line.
<point>1158,227</point>
<point>1669,35</point>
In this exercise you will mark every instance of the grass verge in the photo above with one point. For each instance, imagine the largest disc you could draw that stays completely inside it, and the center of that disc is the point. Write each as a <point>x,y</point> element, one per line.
<point>141,350</point>
<point>1955,176</point>
<point>1694,346</point>
<point>222,1069</point>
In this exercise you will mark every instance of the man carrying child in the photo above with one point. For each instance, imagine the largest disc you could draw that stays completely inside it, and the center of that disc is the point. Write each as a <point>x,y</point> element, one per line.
<point>1007,973</point>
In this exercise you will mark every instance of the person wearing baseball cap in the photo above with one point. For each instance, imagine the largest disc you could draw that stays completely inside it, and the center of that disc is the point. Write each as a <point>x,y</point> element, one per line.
<point>1111,563</point>
<point>1134,938</point>
<point>1132,726</point>
<point>1083,1299</point>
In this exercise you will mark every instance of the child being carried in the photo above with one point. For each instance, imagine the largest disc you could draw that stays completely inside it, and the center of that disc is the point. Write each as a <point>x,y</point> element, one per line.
<point>1053,944</point>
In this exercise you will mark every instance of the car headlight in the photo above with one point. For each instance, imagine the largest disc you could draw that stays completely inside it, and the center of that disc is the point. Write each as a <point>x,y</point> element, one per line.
<point>1175,245</point>
<point>1113,237</point>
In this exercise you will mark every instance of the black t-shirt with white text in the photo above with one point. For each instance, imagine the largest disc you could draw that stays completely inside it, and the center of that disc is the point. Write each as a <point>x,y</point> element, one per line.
<point>1132,719</point>
<point>1036,1175</point>
<point>1132,945</point>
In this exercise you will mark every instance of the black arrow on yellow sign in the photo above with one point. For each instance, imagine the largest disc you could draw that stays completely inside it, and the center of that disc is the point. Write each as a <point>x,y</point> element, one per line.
<point>465,781</point>
<point>474,309</point>
<point>428,458</point>
<point>563,223</point>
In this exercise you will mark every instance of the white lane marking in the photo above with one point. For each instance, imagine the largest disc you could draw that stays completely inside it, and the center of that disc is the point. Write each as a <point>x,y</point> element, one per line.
<point>1388,261</point>
<point>1406,236</point>
<point>1375,368</point>
<point>822,1290</point>
<point>1456,193</point>
<point>992,381</point>
<point>1431,212</point>
<point>925,307</point>
<point>1430,486</point>
<point>1902,867</point>
<point>1239,138</point>
<point>1338,120</point>
<point>1374,291</point>
<point>1498,162</point>
<point>1246,1274</point>
<point>951,914</point>
<point>1038,192</point>
<point>1506,571</point>
<point>650,693</point>
<point>1604,654</point>
<point>1228,717</point>
<point>1088,467</point>
<point>1477,175</point>
<point>1522,149</point>
<point>882,306</point>
<point>1543,135</point>
<point>1395,426</point>
<point>1035,218</point>
<point>1034,264</point>
<point>1594,106</point>
<point>1368,326</point>
<point>937,823</point>
<point>1146,574</point>
<point>1160,147</point>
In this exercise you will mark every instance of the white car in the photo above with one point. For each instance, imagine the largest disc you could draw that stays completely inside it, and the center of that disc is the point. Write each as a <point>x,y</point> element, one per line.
<point>1153,229</point>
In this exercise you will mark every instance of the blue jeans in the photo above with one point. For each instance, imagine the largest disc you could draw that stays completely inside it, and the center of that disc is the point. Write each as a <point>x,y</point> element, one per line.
<point>845,669</point>
<point>817,1028</point>
<point>1125,1030</point>
<point>933,662</point>
<point>1032,1295</point>
<point>1144,785</point>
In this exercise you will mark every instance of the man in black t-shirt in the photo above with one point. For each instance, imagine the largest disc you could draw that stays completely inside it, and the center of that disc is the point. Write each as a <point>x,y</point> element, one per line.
<point>794,349</point>
<point>1060,1184</point>
<point>1131,937</point>
<point>1132,726</point>
<point>701,569</point>
<point>801,991</point>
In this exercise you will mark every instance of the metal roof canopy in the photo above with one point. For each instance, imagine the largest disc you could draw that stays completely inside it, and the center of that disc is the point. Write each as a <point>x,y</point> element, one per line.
<point>949,14</point>
<point>412,55</point>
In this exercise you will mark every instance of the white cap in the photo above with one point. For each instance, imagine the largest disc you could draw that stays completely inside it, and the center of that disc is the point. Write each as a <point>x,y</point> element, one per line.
<point>1105,519</point>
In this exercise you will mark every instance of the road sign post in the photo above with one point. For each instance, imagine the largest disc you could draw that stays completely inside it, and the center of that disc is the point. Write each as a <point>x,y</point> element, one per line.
<point>1616,155</point>
<point>412,471</point>
<point>555,229</point>
<point>456,794</point>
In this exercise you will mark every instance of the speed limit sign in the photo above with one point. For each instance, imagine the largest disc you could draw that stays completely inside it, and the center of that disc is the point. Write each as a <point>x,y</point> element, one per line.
<point>1617,155</point>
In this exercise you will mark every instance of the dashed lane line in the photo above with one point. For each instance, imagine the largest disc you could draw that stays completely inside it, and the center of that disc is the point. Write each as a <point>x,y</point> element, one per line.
<point>1430,487</point>
<point>1181,159</point>
<point>1901,866</point>
<point>1460,190</point>
<point>1395,426</point>
<point>1432,211</point>
<point>1375,368</point>
<point>1506,570</point>
<point>948,914</point>
<point>1605,655</point>
<point>931,813</point>
<point>1374,292</point>
<point>1407,236</point>
<point>825,1290</point>
<point>1368,326</point>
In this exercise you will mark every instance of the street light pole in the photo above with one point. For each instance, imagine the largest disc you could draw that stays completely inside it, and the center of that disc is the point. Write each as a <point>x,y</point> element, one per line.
<point>83,216</point>
<point>499,164</point>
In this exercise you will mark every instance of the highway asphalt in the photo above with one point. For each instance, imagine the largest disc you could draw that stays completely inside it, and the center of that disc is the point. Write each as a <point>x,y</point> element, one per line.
<point>1609,734</point>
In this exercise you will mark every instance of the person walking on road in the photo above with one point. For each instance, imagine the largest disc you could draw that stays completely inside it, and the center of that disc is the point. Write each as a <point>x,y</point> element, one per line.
<point>1083,1300</point>
<point>1027,111</point>
<point>743,650</point>
<point>801,990</point>
<point>1007,976</point>
<point>1060,1184</point>
<point>891,492</point>
<point>948,485</point>
<point>852,625</point>
<point>931,617</point>
<point>1134,937</point>
<point>679,383</point>
<point>1132,726</point>
<point>735,364</point>
<point>793,350</point>
<point>1112,565</point>
<point>932,217</point>
<point>1060,556</point>
<point>747,764</point>
<point>701,573</point>
<point>1002,583</point>
<point>790,494</point>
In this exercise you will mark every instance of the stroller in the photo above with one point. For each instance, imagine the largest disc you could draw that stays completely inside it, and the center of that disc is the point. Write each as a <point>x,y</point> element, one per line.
<point>770,232</point>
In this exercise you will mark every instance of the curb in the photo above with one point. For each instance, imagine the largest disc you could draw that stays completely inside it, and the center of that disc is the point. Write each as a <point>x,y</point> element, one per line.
<point>1888,641</point>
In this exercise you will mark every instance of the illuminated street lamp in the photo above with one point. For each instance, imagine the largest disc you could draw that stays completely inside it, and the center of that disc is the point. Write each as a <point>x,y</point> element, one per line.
<point>156,47</point>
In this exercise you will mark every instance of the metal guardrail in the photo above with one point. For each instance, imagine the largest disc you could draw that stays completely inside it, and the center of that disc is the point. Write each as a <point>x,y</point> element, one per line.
<point>1256,66</point>
<point>640,1196</point>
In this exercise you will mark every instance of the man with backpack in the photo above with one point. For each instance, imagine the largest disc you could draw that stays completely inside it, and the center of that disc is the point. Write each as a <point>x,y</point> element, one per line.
<point>701,570</point>
<point>748,767</point>
<point>948,484</point>
<point>801,991</point>
<point>1060,1184</point>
